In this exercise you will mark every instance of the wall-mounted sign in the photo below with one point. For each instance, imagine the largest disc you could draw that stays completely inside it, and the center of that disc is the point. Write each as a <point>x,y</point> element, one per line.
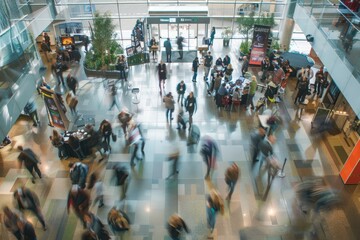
<point>160,20</point>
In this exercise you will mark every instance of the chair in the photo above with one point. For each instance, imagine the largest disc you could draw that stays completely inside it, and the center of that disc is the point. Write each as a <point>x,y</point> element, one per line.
<point>235,103</point>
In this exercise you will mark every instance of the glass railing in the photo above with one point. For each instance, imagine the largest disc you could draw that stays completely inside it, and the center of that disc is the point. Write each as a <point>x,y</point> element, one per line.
<point>341,26</point>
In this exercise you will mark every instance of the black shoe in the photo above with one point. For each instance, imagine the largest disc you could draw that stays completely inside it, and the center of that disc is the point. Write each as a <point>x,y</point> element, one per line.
<point>101,205</point>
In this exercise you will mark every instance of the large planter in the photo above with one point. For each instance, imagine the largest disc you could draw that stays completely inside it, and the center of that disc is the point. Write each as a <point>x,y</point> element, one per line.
<point>139,58</point>
<point>114,74</point>
<point>226,42</point>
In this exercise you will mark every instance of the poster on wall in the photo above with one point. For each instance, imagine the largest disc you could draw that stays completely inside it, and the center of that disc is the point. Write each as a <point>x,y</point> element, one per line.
<point>259,44</point>
<point>55,109</point>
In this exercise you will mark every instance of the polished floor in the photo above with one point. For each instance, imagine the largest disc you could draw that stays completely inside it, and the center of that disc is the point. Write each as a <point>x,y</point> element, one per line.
<point>151,198</point>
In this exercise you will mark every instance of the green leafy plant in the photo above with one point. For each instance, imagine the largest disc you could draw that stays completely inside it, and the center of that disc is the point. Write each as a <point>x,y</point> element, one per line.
<point>104,49</point>
<point>245,47</point>
<point>246,23</point>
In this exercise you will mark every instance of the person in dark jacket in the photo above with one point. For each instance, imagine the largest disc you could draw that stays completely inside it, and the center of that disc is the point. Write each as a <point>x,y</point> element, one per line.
<point>181,89</point>
<point>179,43</point>
<point>162,76</point>
<point>209,151</point>
<point>72,83</point>
<point>122,66</point>
<point>94,224</point>
<point>167,45</point>
<point>79,199</point>
<point>28,200</point>
<point>74,143</point>
<point>11,220</point>
<point>27,230</point>
<point>212,36</point>
<point>30,109</point>
<point>302,90</point>
<point>121,175</point>
<point>266,148</point>
<point>226,62</point>
<point>190,106</point>
<point>106,131</point>
<point>195,67</point>
<point>78,173</point>
<point>175,226</point>
<point>30,160</point>
<point>57,70</point>
<point>256,137</point>
<point>231,176</point>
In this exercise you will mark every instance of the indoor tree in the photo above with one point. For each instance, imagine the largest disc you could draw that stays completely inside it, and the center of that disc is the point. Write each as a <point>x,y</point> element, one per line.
<point>246,25</point>
<point>104,46</point>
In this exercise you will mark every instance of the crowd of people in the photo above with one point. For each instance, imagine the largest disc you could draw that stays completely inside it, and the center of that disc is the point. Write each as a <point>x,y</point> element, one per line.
<point>226,91</point>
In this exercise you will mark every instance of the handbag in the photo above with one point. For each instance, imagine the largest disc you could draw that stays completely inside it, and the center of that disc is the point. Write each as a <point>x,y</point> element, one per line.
<point>114,137</point>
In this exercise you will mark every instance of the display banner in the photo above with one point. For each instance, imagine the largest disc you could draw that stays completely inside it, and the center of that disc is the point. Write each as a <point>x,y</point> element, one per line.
<point>55,109</point>
<point>259,44</point>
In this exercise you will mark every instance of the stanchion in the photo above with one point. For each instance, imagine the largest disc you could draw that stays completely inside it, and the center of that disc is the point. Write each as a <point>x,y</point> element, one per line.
<point>281,173</point>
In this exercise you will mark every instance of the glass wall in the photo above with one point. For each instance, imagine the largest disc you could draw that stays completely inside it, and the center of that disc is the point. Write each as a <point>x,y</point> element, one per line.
<point>341,25</point>
<point>223,13</point>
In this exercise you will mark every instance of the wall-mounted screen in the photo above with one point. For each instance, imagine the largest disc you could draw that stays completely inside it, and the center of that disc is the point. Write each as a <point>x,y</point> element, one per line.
<point>67,41</point>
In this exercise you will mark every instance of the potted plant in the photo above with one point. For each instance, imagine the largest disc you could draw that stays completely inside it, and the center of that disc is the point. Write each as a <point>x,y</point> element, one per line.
<point>245,48</point>
<point>226,35</point>
<point>103,54</point>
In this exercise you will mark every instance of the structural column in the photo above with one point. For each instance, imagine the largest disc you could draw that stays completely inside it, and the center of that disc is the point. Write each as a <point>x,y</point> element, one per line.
<point>287,26</point>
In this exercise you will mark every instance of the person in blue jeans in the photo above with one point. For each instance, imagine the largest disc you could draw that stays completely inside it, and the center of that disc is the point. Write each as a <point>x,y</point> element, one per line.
<point>195,67</point>
<point>214,204</point>
<point>168,47</point>
<point>212,36</point>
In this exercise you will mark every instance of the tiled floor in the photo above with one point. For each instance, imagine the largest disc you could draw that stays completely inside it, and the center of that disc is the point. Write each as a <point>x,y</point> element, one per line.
<point>152,198</point>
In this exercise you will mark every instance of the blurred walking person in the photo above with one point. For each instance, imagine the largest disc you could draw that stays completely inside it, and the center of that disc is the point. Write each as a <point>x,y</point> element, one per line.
<point>30,160</point>
<point>28,200</point>
<point>209,151</point>
<point>121,175</point>
<point>214,204</point>
<point>136,139</point>
<point>231,177</point>
<point>31,110</point>
<point>256,137</point>
<point>11,219</point>
<point>114,98</point>
<point>27,230</point>
<point>78,173</point>
<point>174,158</point>
<point>175,226</point>
<point>79,200</point>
